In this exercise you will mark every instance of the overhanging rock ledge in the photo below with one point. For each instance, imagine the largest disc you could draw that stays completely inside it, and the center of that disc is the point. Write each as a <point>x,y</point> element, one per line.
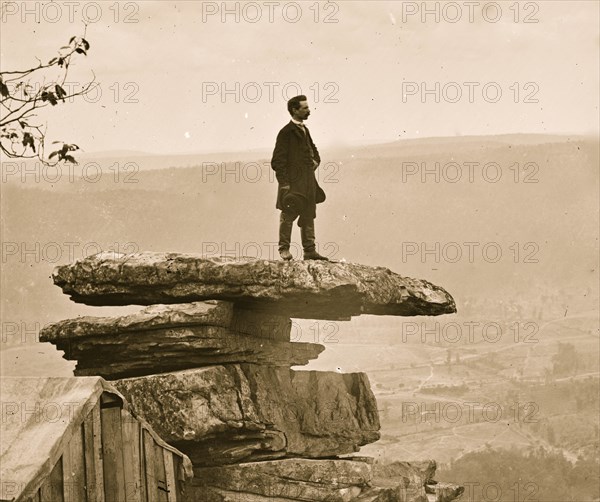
<point>303,289</point>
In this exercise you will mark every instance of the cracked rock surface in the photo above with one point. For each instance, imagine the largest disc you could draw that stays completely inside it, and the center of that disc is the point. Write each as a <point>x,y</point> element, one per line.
<point>243,412</point>
<point>304,289</point>
<point>163,338</point>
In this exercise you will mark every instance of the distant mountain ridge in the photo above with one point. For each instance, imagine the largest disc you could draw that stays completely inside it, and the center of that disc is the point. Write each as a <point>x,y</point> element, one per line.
<point>153,161</point>
<point>375,213</point>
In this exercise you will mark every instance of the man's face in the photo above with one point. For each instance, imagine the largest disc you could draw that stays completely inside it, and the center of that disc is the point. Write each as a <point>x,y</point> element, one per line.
<point>303,112</point>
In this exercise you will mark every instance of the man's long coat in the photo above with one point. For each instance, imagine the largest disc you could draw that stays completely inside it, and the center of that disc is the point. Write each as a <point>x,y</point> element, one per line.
<point>293,165</point>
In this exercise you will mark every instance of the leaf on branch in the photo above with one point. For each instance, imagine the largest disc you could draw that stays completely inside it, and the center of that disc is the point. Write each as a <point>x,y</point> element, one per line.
<point>61,61</point>
<point>23,124</point>
<point>28,140</point>
<point>48,96</point>
<point>63,153</point>
<point>60,92</point>
<point>86,44</point>
<point>79,50</point>
<point>3,89</point>
<point>53,60</point>
<point>72,38</point>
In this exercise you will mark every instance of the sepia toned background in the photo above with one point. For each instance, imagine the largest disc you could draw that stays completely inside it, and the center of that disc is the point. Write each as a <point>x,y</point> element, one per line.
<point>459,144</point>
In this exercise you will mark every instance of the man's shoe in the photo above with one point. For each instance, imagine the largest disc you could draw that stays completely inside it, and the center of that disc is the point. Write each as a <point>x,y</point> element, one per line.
<point>313,255</point>
<point>285,255</point>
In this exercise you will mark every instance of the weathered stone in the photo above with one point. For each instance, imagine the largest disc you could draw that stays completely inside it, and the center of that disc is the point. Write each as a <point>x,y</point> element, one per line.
<point>207,313</point>
<point>295,479</point>
<point>416,475</point>
<point>305,289</point>
<point>164,338</point>
<point>378,494</point>
<point>446,492</point>
<point>325,480</point>
<point>161,351</point>
<point>232,413</point>
<point>287,428</point>
<point>209,494</point>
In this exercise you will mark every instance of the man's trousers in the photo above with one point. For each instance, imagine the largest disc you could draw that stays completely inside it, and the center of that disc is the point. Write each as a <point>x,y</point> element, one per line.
<point>307,231</point>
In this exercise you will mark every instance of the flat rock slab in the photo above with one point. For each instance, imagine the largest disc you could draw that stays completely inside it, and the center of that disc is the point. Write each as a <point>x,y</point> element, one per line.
<point>163,338</point>
<point>246,412</point>
<point>162,350</point>
<point>356,479</point>
<point>295,479</point>
<point>208,313</point>
<point>305,289</point>
<point>374,494</point>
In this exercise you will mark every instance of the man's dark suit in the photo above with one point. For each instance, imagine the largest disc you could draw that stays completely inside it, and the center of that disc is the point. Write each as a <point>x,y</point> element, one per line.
<point>294,166</point>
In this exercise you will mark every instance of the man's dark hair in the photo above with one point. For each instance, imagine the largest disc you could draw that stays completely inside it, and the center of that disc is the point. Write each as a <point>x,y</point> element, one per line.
<point>294,103</point>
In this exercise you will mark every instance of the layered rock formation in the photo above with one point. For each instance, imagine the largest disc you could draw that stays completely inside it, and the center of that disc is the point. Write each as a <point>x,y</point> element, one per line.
<point>165,338</point>
<point>304,289</point>
<point>208,365</point>
<point>232,413</point>
<point>339,480</point>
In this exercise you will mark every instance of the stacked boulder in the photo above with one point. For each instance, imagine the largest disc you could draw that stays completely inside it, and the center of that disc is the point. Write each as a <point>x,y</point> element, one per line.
<point>208,364</point>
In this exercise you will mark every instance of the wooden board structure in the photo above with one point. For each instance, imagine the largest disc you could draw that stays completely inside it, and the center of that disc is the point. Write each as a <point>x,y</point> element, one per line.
<point>75,439</point>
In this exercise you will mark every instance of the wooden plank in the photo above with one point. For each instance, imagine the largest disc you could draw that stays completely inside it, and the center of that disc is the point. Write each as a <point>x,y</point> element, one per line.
<point>179,475</point>
<point>94,468</point>
<point>143,480</point>
<point>52,488</point>
<point>66,466</point>
<point>170,475</point>
<point>74,469</point>
<point>131,456</point>
<point>151,484</point>
<point>112,453</point>
<point>159,469</point>
<point>98,454</point>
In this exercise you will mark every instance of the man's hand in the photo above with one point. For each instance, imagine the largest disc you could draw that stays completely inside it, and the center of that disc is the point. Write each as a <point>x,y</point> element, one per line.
<point>284,189</point>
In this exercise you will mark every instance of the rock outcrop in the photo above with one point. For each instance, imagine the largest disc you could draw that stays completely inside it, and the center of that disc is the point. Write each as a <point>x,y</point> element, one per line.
<point>233,413</point>
<point>208,365</point>
<point>164,338</point>
<point>295,479</point>
<point>340,480</point>
<point>304,289</point>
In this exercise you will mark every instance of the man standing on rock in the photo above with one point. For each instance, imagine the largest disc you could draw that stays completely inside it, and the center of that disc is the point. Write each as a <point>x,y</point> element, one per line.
<point>294,161</point>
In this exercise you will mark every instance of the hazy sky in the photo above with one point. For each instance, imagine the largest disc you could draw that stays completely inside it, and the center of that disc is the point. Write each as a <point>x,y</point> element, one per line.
<point>364,74</point>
